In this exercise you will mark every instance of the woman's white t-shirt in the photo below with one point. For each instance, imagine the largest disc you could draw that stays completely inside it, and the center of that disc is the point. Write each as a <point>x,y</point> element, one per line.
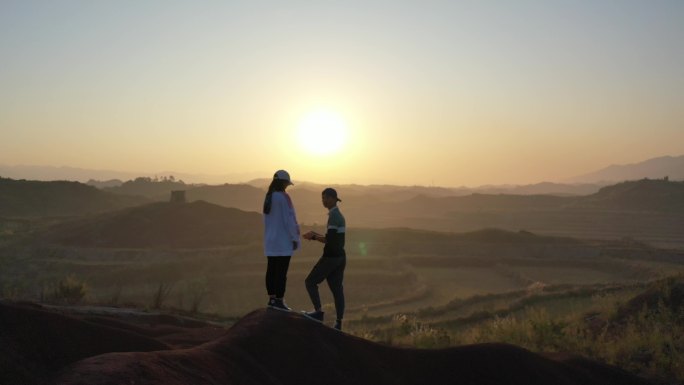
<point>280,226</point>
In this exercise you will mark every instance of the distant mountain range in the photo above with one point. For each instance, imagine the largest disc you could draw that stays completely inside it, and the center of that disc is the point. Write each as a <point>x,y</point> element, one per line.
<point>393,192</point>
<point>19,192</point>
<point>645,194</point>
<point>649,210</point>
<point>36,198</point>
<point>49,173</point>
<point>656,168</point>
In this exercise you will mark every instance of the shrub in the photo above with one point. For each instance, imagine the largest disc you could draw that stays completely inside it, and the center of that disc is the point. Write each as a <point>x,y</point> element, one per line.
<point>69,290</point>
<point>198,290</point>
<point>161,294</point>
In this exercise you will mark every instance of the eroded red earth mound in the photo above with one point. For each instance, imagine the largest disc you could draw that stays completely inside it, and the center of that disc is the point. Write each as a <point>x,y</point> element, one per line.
<point>274,347</point>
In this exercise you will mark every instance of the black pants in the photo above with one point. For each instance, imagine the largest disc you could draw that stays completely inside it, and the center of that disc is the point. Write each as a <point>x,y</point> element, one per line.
<point>331,270</point>
<point>276,275</point>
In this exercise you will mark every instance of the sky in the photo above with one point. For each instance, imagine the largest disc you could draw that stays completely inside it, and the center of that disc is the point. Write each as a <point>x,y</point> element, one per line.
<point>446,93</point>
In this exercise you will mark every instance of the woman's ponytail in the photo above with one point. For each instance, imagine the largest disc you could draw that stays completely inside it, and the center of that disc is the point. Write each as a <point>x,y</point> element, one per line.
<point>276,185</point>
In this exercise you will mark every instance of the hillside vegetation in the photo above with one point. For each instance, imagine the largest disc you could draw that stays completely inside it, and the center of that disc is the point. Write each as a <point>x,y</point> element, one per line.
<point>218,251</point>
<point>638,327</point>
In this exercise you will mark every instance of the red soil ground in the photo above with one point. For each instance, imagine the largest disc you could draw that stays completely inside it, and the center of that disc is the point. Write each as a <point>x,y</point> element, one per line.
<point>36,342</point>
<point>265,347</point>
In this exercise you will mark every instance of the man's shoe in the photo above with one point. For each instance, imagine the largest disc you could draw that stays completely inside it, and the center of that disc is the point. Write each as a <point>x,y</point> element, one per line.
<point>338,324</point>
<point>315,315</point>
<point>278,304</point>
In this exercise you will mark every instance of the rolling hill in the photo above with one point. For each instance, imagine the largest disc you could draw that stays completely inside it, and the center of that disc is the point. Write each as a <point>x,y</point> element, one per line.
<point>149,188</point>
<point>642,195</point>
<point>645,194</point>
<point>22,198</point>
<point>160,225</point>
<point>242,196</point>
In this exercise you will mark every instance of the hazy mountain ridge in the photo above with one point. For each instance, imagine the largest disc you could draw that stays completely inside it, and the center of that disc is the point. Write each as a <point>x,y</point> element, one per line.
<point>646,194</point>
<point>647,210</point>
<point>201,224</point>
<point>243,196</point>
<point>655,168</point>
<point>660,167</point>
<point>161,225</point>
<point>104,183</point>
<point>149,187</point>
<point>397,192</point>
<point>22,198</point>
<point>52,173</point>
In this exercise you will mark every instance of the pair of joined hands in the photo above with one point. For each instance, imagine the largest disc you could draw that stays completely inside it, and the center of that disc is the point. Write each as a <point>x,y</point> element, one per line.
<point>311,235</point>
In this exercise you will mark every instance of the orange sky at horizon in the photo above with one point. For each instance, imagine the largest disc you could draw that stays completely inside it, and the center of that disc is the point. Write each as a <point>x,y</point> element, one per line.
<point>435,93</point>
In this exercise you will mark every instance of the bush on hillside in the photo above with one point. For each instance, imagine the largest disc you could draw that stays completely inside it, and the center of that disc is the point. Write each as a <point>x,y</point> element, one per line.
<point>69,290</point>
<point>161,294</point>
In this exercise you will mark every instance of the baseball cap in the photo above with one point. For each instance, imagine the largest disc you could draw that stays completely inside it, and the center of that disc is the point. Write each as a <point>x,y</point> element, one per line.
<point>331,193</point>
<point>282,175</point>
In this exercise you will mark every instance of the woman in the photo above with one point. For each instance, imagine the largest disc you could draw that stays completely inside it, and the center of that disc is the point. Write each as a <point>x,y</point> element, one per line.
<point>281,237</point>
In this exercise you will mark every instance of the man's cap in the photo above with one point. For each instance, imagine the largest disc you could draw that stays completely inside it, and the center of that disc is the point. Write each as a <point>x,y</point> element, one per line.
<point>282,175</point>
<point>331,193</point>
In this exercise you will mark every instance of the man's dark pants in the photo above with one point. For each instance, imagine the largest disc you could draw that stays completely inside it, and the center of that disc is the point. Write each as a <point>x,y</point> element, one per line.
<point>332,270</point>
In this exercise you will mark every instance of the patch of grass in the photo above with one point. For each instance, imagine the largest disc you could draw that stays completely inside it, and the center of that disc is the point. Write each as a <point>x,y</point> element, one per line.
<point>406,330</point>
<point>648,342</point>
<point>68,290</point>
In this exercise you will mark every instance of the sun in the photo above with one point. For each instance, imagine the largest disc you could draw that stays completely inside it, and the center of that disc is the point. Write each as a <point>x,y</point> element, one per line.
<point>322,132</point>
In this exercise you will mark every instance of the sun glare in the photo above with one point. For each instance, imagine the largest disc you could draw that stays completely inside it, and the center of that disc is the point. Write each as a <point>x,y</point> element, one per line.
<point>322,132</point>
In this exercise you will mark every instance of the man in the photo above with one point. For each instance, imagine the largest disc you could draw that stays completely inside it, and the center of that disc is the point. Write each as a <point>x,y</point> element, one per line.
<point>331,265</point>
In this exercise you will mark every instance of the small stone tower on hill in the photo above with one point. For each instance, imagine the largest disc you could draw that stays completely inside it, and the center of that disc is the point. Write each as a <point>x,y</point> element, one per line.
<point>178,196</point>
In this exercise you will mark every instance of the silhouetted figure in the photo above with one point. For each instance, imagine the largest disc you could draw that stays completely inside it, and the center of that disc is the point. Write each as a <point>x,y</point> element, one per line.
<point>281,237</point>
<point>332,263</point>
